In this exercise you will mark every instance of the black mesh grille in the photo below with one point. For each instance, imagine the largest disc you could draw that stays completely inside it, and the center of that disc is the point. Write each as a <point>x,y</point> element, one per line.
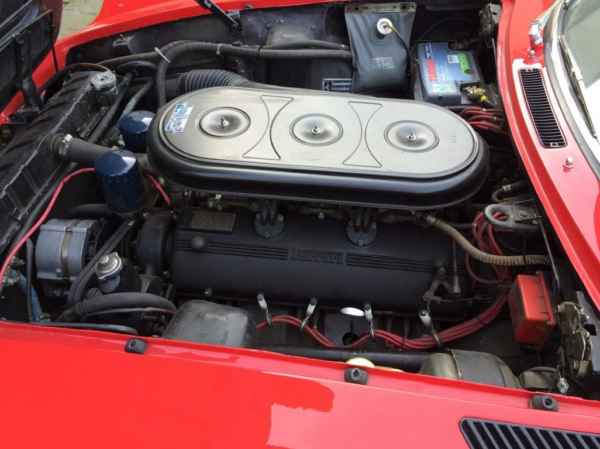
<point>541,112</point>
<point>496,435</point>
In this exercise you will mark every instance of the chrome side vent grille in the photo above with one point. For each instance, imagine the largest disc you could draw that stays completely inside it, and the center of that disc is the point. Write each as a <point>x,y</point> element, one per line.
<point>540,109</point>
<point>482,434</point>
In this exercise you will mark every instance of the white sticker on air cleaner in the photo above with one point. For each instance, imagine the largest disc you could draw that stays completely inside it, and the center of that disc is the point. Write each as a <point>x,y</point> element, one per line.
<point>179,118</point>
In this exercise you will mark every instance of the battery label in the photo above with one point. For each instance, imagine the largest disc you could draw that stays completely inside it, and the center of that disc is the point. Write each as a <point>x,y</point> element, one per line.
<point>179,118</point>
<point>444,71</point>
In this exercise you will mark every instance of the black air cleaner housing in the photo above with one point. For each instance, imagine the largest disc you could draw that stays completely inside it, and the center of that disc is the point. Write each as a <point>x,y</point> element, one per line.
<point>322,147</point>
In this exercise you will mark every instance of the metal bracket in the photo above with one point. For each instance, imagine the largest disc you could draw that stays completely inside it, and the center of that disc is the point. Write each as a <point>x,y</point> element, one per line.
<point>440,279</point>
<point>369,317</point>
<point>219,13</point>
<point>25,84</point>
<point>576,340</point>
<point>309,311</point>
<point>262,302</point>
<point>428,323</point>
<point>519,216</point>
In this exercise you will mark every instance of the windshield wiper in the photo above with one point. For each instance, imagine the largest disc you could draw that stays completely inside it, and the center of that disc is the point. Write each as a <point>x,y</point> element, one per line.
<point>577,80</point>
<point>538,25</point>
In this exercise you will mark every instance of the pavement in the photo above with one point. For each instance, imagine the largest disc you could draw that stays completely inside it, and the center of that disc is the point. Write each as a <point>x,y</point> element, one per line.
<point>77,14</point>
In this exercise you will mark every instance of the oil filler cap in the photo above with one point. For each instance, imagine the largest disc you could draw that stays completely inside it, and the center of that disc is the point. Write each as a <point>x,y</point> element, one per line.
<point>411,136</point>
<point>224,122</point>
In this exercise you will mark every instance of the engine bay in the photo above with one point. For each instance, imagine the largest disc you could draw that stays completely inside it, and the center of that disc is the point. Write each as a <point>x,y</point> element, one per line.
<point>328,181</point>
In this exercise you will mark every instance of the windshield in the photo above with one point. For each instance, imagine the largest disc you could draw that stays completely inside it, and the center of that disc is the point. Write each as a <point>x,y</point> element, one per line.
<point>582,35</point>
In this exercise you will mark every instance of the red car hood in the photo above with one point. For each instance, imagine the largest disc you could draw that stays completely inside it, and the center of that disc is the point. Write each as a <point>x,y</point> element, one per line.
<point>68,387</point>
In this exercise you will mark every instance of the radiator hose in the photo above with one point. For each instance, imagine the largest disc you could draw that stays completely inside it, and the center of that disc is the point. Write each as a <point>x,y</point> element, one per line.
<point>475,253</point>
<point>113,301</point>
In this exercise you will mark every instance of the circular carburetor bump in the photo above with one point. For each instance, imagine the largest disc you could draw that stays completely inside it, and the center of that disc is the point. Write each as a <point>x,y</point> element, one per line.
<point>316,130</point>
<point>411,136</point>
<point>419,155</point>
<point>224,122</point>
<point>322,148</point>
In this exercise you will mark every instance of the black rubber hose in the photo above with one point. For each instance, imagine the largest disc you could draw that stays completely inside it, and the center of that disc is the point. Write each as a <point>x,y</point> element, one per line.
<point>65,70</point>
<point>508,189</point>
<point>133,102</point>
<point>77,150</point>
<point>207,78</point>
<point>100,210</point>
<point>497,196</point>
<point>83,153</point>
<point>410,361</point>
<point>113,301</point>
<point>149,56</point>
<point>203,79</point>
<point>108,116</point>
<point>133,65</point>
<point>308,43</point>
<point>240,52</point>
<point>490,105</point>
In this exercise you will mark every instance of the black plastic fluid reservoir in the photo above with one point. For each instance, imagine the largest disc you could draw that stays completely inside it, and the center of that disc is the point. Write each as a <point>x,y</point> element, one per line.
<point>121,181</point>
<point>134,127</point>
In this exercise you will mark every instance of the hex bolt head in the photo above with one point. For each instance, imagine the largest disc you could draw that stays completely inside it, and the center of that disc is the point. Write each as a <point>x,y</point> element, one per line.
<point>361,242</point>
<point>267,234</point>
<point>531,54</point>
<point>145,215</point>
<point>373,225</point>
<point>321,215</point>
<point>279,217</point>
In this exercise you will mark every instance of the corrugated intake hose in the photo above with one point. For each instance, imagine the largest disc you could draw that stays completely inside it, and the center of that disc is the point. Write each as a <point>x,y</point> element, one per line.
<point>492,259</point>
<point>204,79</point>
<point>256,53</point>
<point>113,301</point>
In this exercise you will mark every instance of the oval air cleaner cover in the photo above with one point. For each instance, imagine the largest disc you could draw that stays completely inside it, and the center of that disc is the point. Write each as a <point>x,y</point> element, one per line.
<point>321,147</point>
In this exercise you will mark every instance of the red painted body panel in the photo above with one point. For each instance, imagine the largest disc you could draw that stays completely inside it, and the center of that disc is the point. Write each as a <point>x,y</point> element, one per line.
<point>571,197</point>
<point>69,389</point>
<point>79,388</point>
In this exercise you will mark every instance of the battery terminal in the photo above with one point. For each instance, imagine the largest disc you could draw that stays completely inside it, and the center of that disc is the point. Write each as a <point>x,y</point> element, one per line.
<point>477,94</point>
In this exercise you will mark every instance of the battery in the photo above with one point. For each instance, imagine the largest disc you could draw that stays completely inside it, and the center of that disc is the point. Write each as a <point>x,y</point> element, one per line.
<point>443,73</point>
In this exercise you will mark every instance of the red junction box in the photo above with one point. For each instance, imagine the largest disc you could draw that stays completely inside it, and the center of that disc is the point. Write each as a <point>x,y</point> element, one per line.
<point>530,310</point>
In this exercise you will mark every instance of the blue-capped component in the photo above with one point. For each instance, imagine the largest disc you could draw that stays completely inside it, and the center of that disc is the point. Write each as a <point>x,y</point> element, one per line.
<point>134,127</point>
<point>121,181</point>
